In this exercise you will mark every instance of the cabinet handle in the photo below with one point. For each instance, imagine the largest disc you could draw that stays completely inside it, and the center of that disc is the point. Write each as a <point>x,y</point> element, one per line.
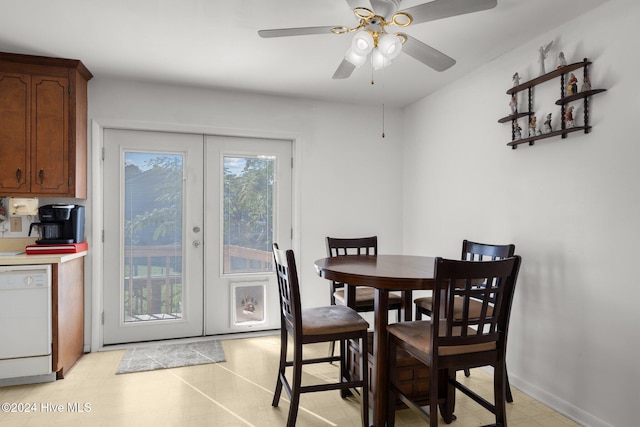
<point>41,175</point>
<point>18,175</point>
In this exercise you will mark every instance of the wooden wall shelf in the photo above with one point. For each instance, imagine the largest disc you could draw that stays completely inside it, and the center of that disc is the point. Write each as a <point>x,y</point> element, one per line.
<point>580,95</point>
<point>562,101</point>
<point>562,133</point>
<point>515,116</point>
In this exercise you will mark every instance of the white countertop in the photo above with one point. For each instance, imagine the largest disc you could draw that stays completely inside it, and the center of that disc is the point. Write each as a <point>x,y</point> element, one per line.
<point>24,259</point>
<point>8,248</point>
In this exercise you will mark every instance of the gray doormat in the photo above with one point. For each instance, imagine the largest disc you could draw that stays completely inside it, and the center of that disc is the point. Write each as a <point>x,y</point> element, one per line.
<point>163,356</point>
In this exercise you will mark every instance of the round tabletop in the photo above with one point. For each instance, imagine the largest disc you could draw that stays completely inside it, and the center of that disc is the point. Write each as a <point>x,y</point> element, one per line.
<point>391,272</point>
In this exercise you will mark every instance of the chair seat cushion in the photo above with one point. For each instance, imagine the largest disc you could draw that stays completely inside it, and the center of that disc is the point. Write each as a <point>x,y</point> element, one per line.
<point>475,306</point>
<point>418,334</point>
<point>365,296</point>
<point>333,319</point>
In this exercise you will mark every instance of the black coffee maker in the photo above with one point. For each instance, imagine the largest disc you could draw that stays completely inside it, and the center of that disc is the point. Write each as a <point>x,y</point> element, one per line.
<point>59,224</point>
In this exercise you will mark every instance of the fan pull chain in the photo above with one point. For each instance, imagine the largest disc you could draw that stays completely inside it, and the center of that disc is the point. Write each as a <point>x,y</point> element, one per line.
<point>383,119</point>
<point>373,82</point>
<point>383,102</point>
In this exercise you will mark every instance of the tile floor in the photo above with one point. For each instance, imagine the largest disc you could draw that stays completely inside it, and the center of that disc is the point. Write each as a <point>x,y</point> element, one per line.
<point>233,393</point>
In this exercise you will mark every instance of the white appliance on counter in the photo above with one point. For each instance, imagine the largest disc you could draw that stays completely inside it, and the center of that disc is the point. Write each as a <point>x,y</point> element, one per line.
<point>25,324</point>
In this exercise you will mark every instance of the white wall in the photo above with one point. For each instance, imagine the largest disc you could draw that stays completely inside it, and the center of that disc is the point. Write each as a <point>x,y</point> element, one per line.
<point>571,207</point>
<point>346,176</point>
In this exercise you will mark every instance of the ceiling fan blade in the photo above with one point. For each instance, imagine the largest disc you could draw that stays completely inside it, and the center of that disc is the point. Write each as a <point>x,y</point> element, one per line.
<point>286,32</point>
<point>427,55</point>
<point>439,9</point>
<point>344,70</point>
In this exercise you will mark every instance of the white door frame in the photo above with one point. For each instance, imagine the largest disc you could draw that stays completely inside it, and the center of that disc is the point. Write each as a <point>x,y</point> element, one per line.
<point>95,222</point>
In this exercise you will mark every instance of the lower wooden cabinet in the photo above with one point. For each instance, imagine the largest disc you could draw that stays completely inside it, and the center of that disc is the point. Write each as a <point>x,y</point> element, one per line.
<point>67,295</point>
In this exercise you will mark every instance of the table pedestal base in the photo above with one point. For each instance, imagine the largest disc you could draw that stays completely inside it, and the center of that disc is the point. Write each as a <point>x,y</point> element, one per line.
<point>413,376</point>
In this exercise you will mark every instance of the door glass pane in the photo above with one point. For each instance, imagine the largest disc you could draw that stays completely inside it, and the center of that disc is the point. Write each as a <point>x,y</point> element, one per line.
<point>248,214</point>
<point>153,237</point>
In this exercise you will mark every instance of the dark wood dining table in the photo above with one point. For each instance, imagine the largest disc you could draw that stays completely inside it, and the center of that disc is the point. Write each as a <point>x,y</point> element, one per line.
<point>405,273</point>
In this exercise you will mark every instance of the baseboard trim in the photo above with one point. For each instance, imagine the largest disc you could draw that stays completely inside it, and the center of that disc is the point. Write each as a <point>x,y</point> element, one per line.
<point>565,408</point>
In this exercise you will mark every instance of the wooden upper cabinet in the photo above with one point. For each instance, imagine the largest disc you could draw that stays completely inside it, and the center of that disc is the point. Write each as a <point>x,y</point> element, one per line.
<point>15,134</point>
<point>50,172</point>
<point>43,126</point>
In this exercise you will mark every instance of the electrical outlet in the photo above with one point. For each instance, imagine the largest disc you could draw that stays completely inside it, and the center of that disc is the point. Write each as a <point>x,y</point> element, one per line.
<point>15,225</point>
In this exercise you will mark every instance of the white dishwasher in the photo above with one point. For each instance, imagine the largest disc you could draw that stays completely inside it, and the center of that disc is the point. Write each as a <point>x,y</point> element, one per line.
<point>25,324</point>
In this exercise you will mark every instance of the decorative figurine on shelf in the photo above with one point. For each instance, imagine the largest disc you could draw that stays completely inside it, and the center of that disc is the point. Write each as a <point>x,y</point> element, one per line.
<point>532,126</point>
<point>543,51</point>
<point>517,131</point>
<point>586,85</point>
<point>516,79</point>
<point>562,62</point>
<point>513,104</point>
<point>547,124</point>
<point>568,118</point>
<point>572,85</point>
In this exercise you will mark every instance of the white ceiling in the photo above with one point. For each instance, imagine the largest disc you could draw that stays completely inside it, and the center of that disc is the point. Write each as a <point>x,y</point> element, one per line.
<point>213,43</point>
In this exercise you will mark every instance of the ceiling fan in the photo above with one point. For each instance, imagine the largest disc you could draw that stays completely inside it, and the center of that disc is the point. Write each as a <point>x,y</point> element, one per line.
<point>375,17</point>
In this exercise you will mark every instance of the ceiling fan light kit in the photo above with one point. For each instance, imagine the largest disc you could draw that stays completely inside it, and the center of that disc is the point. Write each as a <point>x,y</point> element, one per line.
<point>390,46</point>
<point>383,49</point>
<point>378,60</point>
<point>355,58</point>
<point>372,38</point>
<point>362,43</point>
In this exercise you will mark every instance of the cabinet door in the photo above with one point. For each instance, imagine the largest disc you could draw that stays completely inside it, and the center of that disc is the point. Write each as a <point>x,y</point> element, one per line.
<point>49,135</point>
<point>67,294</point>
<point>15,129</point>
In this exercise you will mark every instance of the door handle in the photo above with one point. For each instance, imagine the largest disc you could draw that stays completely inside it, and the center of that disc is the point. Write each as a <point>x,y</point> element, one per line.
<point>41,175</point>
<point>18,175</point>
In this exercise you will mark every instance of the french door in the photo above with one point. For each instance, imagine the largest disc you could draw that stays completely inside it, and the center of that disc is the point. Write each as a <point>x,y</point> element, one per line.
<point>247,208</point>
<point>189,222</point>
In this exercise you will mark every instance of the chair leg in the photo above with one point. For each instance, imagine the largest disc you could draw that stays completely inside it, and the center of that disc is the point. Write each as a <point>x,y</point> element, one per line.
<point>296,383</point>
<point>344,371</point>
<point>506,380</point>
<point>447,408</point>
<point>434,387</point>
<point>281,367</point>
<point>418,312</point>
<point>499,391</point>
<point>364,374</point>
<point>393,379</point>
<point>332,350</point>
<point>467,372</point>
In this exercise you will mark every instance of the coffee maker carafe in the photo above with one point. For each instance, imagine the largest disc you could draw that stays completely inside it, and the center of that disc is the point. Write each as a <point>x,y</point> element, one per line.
<point>59,224</point>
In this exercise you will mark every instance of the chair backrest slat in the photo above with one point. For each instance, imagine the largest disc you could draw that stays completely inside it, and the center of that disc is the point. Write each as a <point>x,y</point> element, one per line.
<point>353,246</point>
<point>289,288</point>
<point>457,279</point>
<point>474,251</point>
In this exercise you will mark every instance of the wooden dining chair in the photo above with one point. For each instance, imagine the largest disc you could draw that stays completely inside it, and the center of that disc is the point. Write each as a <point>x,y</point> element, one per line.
<point>453,341</point>
<point>364,295</point>
<point>471,251</point>
<point>314,325</point>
